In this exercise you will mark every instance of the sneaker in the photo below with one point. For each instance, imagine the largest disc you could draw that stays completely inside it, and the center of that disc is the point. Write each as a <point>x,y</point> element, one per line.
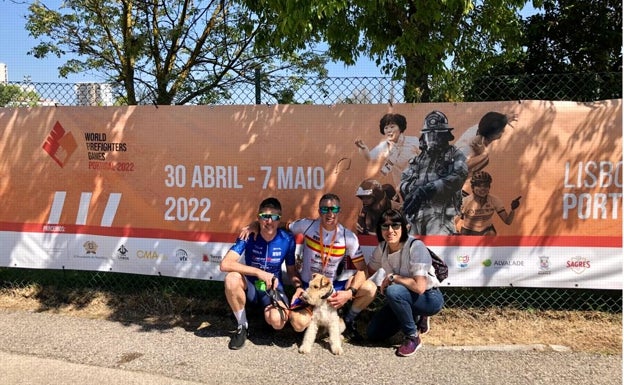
<point>351,333</point>
<point>409,346</point>
<point>238,339</point>
<point>423,324</point>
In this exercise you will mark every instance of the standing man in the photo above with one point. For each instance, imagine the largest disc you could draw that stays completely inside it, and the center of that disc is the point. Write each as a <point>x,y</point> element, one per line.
<point>431,184</point>
<point>259,279</point>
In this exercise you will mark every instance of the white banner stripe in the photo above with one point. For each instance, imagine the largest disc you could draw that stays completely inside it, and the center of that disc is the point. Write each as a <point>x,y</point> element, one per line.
<point>57,207</point>
<point>111,209</point>
<point>83,209</point>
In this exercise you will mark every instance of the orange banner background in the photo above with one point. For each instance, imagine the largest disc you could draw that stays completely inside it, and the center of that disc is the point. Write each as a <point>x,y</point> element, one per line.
<point>161,162</point>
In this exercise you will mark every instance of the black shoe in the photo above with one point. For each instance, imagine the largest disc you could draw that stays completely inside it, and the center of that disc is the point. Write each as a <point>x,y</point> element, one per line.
<point>351,333</point>
<point>238,339</point>
<point>423,324</point>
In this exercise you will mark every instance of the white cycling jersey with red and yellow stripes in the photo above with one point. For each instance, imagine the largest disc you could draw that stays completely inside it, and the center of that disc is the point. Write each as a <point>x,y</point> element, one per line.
<point>323,250</point>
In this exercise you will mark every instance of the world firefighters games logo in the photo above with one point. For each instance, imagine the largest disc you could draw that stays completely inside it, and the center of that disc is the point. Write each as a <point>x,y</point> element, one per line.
<point>60,145</point>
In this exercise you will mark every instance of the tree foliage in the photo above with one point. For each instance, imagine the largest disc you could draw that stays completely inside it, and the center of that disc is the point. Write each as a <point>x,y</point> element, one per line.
<point>574,37</point>
<point>13,95</point>
<point>572,50</point>
<point>409,39</point>
<point>164,52</point>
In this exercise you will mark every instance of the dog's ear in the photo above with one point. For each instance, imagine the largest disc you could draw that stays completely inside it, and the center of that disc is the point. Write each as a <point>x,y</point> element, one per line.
<point>325,282</point>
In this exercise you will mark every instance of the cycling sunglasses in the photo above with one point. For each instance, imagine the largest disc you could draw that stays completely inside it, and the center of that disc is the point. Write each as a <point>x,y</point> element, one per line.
<point>327,209</point>
<point>266,216</point>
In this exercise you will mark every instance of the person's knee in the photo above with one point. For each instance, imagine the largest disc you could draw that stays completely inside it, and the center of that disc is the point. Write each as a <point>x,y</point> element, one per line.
<point>368,289</point>
<point>298,327</point>
<point>233,281</point>
<point>275,321</point>
<point>365,294</point>
<point>275,317</point>
<point>299,322</point>
<point>392,292</point>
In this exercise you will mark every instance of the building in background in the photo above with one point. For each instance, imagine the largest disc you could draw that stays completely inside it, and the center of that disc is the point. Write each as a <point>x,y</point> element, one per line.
<point>4,73</point>
<point>94,94</point>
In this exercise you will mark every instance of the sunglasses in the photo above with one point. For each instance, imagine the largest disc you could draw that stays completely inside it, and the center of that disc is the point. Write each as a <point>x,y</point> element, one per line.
<point>266,217</point>
<point>327,209</point>
<point>386,226</point>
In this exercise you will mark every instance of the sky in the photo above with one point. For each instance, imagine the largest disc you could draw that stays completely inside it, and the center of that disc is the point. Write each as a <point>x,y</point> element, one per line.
<point>15,44</point>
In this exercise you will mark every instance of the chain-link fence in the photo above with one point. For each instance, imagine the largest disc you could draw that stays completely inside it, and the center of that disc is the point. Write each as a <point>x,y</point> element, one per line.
<point>64,281</point>
<point>364,90</point>
<point>326,91</point>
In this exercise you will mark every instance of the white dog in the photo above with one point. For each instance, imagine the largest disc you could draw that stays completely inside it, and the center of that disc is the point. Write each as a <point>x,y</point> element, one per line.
<point>323,315</point>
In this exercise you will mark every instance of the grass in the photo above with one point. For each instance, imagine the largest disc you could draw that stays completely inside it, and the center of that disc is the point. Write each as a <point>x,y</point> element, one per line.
<point>583,331</point>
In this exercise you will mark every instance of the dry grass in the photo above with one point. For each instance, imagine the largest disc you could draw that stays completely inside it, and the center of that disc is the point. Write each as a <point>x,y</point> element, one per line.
<point>593,332</point>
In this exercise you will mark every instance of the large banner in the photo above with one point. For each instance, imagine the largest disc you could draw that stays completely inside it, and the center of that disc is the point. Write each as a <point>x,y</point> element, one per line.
<point>165,190</point>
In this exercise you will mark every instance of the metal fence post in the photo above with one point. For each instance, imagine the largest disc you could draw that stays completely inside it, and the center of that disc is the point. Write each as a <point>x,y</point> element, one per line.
<point>257,85</point>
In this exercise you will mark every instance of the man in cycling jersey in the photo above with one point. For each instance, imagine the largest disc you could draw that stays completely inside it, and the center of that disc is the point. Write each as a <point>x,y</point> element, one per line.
<point>258,279</point>
<point>327,248</point>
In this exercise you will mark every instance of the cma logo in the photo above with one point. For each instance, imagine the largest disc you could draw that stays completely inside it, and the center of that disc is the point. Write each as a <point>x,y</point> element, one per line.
<point>150,254</point>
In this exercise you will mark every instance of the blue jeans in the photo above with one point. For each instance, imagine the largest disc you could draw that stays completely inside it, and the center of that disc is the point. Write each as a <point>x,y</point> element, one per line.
<point>401,305</point>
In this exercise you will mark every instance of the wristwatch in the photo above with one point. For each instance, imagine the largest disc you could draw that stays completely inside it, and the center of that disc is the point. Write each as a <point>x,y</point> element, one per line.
<point>353,291</point>
<point>391,278</point>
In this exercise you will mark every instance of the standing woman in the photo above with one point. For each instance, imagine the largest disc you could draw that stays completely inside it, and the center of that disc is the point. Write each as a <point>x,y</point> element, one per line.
<point>410,284</point>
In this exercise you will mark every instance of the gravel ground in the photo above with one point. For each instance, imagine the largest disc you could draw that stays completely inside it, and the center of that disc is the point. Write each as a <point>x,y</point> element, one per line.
<point>44,348</point>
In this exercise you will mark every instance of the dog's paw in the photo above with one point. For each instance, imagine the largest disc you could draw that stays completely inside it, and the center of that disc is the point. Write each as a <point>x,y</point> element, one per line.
<point>337,350</point>
<point>305,349</point>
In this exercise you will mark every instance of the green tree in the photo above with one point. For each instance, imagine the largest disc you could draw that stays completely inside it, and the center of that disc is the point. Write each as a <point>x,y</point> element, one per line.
<point>12,95</point>
<point>409,39</point>
<point>165,52</point>
<point>574,36</point>
<point>572,50</point>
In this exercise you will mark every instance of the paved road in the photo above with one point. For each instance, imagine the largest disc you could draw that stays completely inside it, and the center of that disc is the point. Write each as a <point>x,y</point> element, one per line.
<point>43,348</point>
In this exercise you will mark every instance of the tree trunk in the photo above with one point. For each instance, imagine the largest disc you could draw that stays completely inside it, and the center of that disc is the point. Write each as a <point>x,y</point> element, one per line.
<point>416,88</point>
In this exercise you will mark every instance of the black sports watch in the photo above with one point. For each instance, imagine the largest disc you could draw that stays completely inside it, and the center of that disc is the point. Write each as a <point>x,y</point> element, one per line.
<point>353,291</point>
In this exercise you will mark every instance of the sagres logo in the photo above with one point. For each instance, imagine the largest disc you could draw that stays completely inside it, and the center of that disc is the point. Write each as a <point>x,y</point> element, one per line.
<point>578,264</point>
<point>60,145</point>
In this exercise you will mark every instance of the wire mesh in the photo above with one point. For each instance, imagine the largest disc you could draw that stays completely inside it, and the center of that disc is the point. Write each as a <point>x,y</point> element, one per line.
<point>326,91</point>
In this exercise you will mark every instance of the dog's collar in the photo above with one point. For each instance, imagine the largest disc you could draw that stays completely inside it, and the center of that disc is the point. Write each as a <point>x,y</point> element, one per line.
<point>325,296</point>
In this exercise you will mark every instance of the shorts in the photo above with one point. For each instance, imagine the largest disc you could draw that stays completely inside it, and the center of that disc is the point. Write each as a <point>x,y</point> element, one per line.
<point>262,298</point>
